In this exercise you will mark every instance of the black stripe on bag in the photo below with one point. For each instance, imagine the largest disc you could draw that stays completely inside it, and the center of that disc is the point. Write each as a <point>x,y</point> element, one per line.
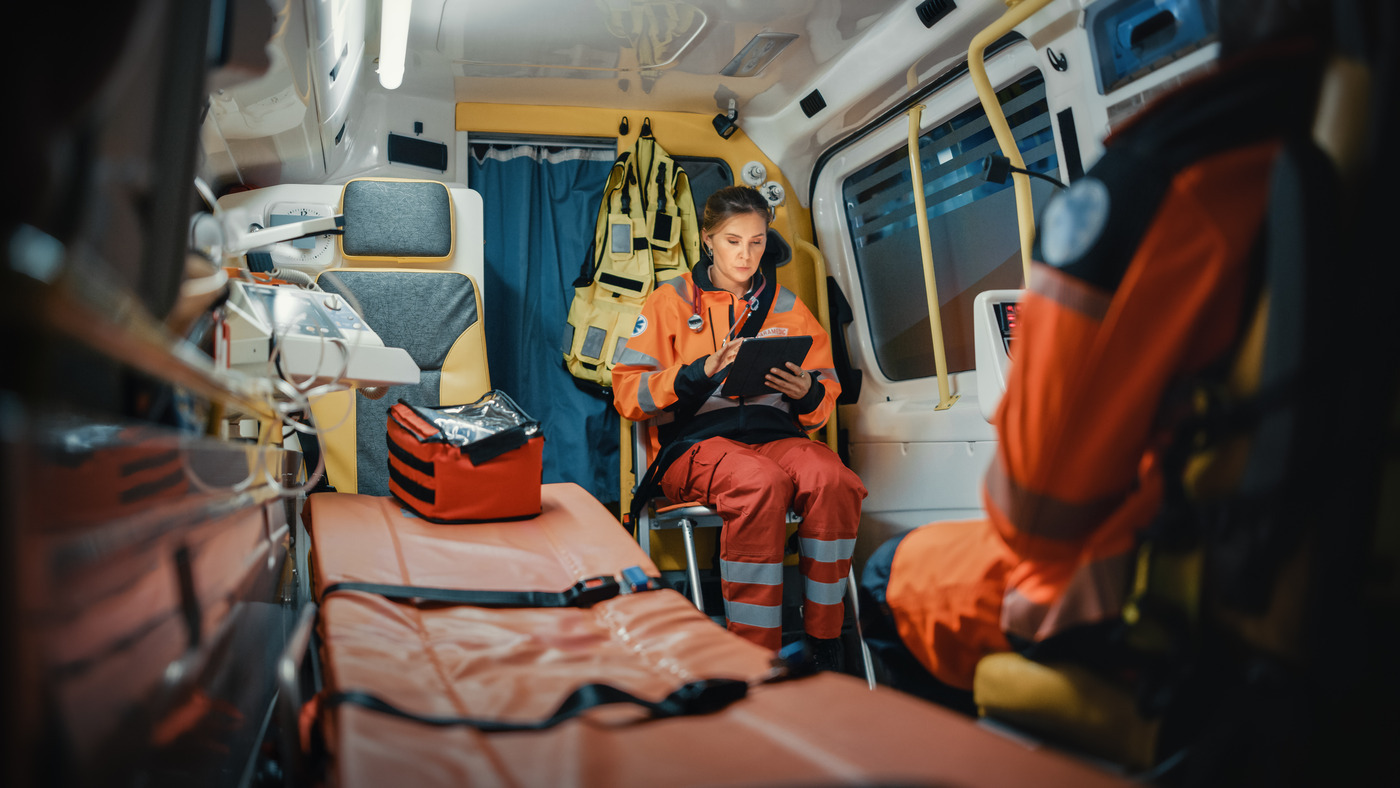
<point>493,446</point>
<point>697,697</point>
<point>401,454</point>
<point>411,488</point>
<point>638,244</point>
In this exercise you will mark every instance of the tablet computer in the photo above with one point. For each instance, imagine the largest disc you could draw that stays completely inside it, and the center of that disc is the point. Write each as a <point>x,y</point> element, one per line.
<point>748,374</point>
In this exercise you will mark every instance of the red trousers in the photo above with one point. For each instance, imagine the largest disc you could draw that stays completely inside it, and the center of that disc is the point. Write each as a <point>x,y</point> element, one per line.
<point>752,487</point>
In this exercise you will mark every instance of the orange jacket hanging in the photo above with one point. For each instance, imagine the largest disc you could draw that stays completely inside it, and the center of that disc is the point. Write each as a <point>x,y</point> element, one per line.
<point>1151,256</point>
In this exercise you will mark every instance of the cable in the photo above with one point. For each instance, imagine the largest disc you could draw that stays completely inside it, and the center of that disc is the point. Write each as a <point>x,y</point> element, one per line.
<point>996,168</point>
<point>313,477</point>
<point>298,278</point>
<point>289,398</point>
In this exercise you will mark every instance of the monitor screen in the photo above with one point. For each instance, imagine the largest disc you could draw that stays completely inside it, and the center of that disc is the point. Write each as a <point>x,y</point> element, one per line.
<point>1006,321</point>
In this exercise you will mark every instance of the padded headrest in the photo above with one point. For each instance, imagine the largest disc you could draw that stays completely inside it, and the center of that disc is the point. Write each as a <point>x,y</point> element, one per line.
<point>777,252</point>
<point>401,220</point>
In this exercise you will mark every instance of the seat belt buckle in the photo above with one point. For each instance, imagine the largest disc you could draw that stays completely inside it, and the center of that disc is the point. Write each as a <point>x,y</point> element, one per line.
<point>592,590</point>
<point>634,580</point>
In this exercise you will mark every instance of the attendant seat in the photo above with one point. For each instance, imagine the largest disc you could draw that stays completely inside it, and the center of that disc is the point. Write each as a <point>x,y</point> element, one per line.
<point>434,313</point>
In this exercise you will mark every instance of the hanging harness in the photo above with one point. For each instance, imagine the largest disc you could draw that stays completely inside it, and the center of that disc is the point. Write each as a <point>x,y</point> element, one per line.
<point>646,233</point>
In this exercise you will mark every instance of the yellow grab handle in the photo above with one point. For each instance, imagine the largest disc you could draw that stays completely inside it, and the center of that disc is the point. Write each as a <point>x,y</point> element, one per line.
<point>823,314</point>
<point>935,320</point>
<point>1017,11</point>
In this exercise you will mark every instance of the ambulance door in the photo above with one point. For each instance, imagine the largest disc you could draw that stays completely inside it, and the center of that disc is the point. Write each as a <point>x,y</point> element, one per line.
<point>923,456</point>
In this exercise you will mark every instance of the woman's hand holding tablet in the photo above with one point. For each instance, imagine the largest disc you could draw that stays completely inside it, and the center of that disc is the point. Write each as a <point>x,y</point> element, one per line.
<point>749,374</point>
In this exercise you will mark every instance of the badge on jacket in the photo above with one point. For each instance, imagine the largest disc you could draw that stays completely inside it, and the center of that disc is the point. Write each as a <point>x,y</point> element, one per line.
<point>1073,221</point>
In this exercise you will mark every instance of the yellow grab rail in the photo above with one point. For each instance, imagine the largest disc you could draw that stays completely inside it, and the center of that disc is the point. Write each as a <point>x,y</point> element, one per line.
<point>823,314</point>
<point>626,469</point>
<point>935,320</point>
<point>1017,11</point>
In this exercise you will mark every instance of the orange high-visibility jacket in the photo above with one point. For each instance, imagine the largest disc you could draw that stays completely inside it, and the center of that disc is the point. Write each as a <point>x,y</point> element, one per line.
<point>1146,264</point>
<point>660,374</point>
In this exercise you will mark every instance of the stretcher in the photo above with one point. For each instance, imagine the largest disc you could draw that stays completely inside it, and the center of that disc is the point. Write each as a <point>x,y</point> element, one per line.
<point>419,692</point>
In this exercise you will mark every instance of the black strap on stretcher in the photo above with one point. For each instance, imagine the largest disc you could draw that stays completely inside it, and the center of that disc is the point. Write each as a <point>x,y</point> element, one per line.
<point>584,593</point>
<point>697,697</point>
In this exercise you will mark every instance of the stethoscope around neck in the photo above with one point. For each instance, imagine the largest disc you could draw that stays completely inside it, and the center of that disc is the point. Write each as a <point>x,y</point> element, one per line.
<point>696,323</point>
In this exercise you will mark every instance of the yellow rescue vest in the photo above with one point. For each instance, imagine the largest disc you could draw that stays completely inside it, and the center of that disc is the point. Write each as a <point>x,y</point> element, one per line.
<point>646,233</point>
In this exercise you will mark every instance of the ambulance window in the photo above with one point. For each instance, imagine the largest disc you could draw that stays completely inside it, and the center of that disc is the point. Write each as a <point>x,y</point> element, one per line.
<point>972,228</point>
<point>706,176</point>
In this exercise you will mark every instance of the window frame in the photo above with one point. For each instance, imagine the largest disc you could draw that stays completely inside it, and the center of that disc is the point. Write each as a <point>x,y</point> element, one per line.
<point>951,95</point>
<point>887,185</point>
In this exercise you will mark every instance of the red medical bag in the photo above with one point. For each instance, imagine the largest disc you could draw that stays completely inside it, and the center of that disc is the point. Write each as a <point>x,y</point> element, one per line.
<point>466,463</point>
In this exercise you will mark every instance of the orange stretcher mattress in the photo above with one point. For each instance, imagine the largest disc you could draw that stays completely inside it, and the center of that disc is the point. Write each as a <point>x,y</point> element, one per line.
<point>519,664</point>
<point>371,539</point>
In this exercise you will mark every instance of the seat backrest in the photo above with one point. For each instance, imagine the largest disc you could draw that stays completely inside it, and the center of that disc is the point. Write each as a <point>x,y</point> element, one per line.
<point>410,262</point>
<point>437,317</point>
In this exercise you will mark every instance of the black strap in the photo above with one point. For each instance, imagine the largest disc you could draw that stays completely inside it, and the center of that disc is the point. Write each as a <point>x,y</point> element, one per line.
<point>591,263</point>
<point>594,259</point>
<point>311,451</point>
<point>661,187</point>
<point>697,697</point>
<point>503,442</point>
<point>480,451</point>
<point>584,593</point>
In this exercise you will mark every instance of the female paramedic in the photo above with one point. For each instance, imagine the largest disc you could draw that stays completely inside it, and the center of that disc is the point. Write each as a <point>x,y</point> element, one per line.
<point>750,458</point>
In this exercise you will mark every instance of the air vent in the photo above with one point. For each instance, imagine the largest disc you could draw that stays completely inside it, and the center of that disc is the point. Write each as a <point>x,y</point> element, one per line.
<point>930,11</point>
<point>812,103</point>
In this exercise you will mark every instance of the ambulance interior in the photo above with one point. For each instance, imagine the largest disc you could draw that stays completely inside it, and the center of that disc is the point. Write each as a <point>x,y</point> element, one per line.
<point>239,232</point>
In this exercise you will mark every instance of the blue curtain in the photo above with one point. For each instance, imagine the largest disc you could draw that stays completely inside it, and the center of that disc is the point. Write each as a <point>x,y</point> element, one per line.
<point>540,207</point>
